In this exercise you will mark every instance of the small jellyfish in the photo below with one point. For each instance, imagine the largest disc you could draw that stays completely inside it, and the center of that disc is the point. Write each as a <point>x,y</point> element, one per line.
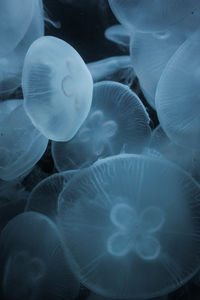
<point>44,197</point>
<point>57,88</point>
<point>177,95</point>
<point>156,15</point>
<point>116,68</point>
<point>35,265</point>
<point>14,22</point>
<point>150,53</point>
<point>118,34</point>
<point>118,225</point>
<point>21,144</point>
<point>12,63</point>
<point>117,122</point>
<point>188,160</point>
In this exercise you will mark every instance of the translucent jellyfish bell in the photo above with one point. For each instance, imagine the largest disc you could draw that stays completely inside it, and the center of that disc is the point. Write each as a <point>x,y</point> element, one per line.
<point>34,262</point>
<point>150,53</point>
<point>57,88</point>
<point>21,144</point>
<point>153,15</point>
<point>117,122</point>
<point>44,197</point>
<point>118,225</point>
<point>118,34</point>
<point>14,22</point>
<point>12,63</point>
<point>177,95</point>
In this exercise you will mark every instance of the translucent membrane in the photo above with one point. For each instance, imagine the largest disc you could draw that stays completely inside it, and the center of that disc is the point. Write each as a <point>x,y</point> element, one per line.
<point>21,144</point>
<point>118,225</point>
<point>35,265</point>
<point>57,88</point>
<point>118,34</point>
<point>117,122</point>
<point>177,95</point>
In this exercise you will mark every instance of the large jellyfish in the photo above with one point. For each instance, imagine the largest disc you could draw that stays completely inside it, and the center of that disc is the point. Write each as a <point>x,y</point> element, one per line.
<point>118,122</point>
<point>57,88</point>
<point>44,197</point>
<point>14,22</point>
<point>34,264</point>
<point>12,63</point>
<point>21,144</point>
<point>116,68</point>
<point>132,215</point>
<point>150,53</point>
<point>177,95</point>
<point>188,160</point>
<point>156,15</point>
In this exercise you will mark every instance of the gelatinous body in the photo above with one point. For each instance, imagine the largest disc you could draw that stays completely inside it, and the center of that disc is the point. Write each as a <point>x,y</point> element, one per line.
<point>57,88</point>
<point>14,22</point>
<point>177,95</point>
<point>44,197</point>
<point>12,63</point>
<point>150,52</point>
<point>118,34</point>
<point>21,144</point>
<point>118,226</point>
<point>117,122</point>
<point>34,262</point>
<point>155,15</point>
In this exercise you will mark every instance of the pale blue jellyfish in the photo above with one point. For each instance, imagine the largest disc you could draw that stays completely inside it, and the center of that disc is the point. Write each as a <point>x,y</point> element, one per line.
<point>150,53</point>
<point>177,95</point>
<point>57,88</point>
<point>14,22</point>
<point>156,15</point>
<point>116,68</point>
<point>21,144</point>
<point>117,122</point>
<point>188,160</point>
<point>35,264</point>
<point>12,63</point>
<point>44,197</point>
<point>132,215</point>
<point>118,34</point>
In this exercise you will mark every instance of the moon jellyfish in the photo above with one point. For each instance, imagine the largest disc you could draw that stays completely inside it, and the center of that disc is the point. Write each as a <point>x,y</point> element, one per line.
<point>35,265</point>
<point>21,144</point>
<point>128,227</point>
<point>154,15</point>
<point>117,122</point>
<point>116,68</point>
<point>150,53</point>
<point>118,34</point>
<point>14,22</point>
<point>177,95</point>
<point>188,160</point>
<point>57,88</point>
<point>44,196</point>
<point>12,63</point>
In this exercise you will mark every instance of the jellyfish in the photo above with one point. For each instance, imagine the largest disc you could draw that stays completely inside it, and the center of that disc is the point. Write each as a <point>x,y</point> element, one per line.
<point>118,225</point>
<point>118,122</point>
<point>118,34</point>
<point>14,22</point>
<point>57,88</point>
<point>44,197</point>
<point>150,53</point>
<point>156,15</point>
<point>12,63</point>
<point>177,95</point>
<point>116,68</point>
<point>190,161</point>
<point>21,144</point>
<point>35,265</point>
